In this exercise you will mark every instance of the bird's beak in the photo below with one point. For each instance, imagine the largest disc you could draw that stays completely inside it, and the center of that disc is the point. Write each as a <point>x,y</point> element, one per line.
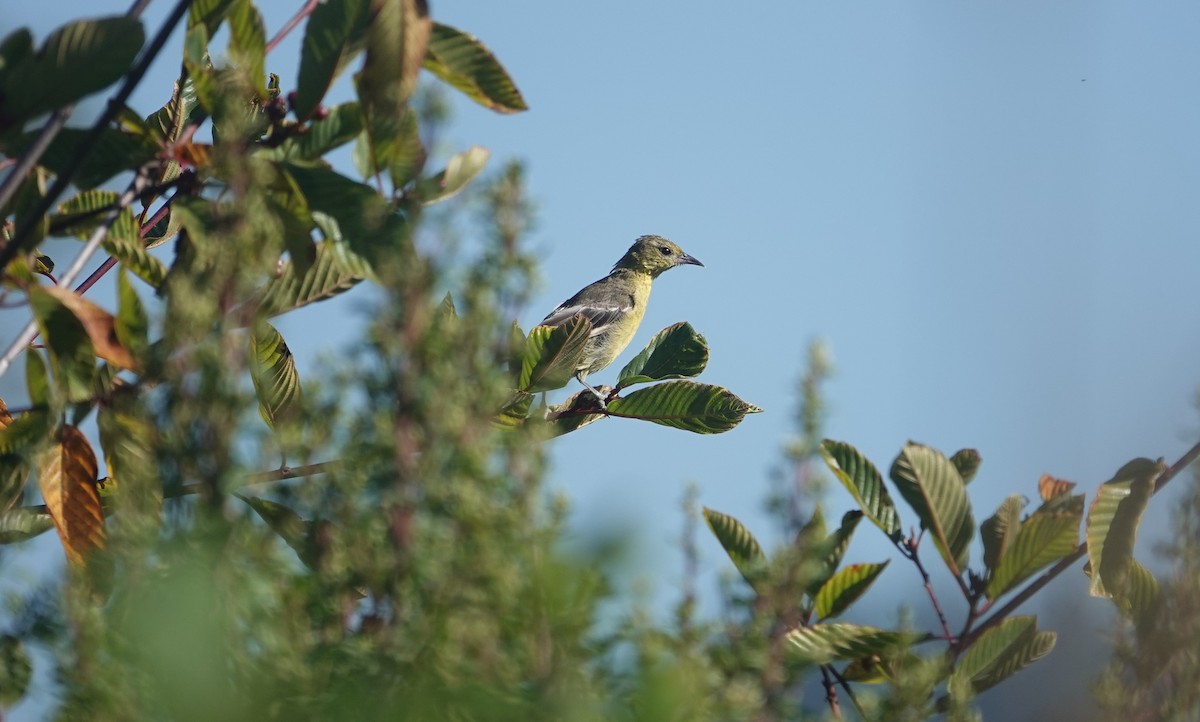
<point>685,258</point>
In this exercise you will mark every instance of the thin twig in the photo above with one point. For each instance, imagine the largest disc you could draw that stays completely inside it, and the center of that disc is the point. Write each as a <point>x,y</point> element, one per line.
<point>913,555</point>
<point>302,13</point>
<point>845,685</point>
<point>114,106</point>
<point>1066,562</point>
<point>831,697</point>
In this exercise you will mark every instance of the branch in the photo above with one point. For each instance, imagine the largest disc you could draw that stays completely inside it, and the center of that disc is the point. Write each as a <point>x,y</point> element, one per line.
<point>1080,551</point>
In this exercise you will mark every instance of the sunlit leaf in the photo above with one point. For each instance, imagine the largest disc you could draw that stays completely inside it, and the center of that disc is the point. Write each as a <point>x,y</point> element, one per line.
<point>553,355</point>
<point>24,523</point>
<point>334,270</point>
<point>863,481</point>
<point>831,549</point>
<point>844,588</point>
<point>675,352</point>
<point>462,61</point>
<point>825,643</point>
<point>460,170</point>
<point>1049,534</point>
<point>686,405</point>
<point>933,488</point>
<point>67,477</point>
<point>737,541</point>
<point>999,653</point>
<point>99,325</point>
<point>273,369</point>
<point>248,44</point>
<point>1112,526</point>
<point>1000,529</point>
<point>1050,487</point>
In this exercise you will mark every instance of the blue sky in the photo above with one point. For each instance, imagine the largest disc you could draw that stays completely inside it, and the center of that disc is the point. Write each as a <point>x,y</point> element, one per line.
<point>987,211</point>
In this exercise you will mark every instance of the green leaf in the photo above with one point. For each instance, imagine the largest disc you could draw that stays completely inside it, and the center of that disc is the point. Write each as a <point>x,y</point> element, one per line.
<point>134,256</point>
<point>15,47</point>
<point>362,215</point>
<point>208,13</point>
<point>132,325</point>
<point>825,643</point>
<point>675,352</point>
<point>579,410</point>
<point>1112,527</point>
<point>832,548</point>
<point>342,124</point>
<point>335,269</point>
<point>863,481</point>
<point>273,370</point>
<point>37,380</point>
<point>72,356</point>
<point>1049,534</point>
<point>76,60</point>
<point>460,170</point>
<point>295,222</point>
<point>23,523</point>
<point>737,541</point>
<point>999,653</point>
<point>248,45</point>
<point>333,36</point>
<point>1141,595</point>
<point>933,488</point>
<point>25,435</point>
<point>552,355</point>
<point>396,40</point>
<point>844,588</point>
<point>686,405</point>
<point>1000,529</point>
<point>463,62</point>
<point>967,462</point>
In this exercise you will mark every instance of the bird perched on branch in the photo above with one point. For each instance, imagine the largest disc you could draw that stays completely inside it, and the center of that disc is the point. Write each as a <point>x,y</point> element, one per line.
<point>616,303</point>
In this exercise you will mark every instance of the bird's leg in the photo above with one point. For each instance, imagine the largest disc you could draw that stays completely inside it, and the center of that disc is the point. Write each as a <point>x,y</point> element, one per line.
<point>589,387</point>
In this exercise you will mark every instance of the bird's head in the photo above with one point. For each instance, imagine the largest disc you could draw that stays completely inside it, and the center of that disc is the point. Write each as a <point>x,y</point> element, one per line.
<point>653,255</point>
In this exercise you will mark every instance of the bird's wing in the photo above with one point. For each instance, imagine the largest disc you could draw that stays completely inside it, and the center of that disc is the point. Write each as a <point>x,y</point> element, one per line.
<point>601,314</point>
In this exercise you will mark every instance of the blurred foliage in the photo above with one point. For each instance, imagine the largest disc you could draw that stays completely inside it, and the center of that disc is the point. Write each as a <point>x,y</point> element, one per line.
<point>399,556</point>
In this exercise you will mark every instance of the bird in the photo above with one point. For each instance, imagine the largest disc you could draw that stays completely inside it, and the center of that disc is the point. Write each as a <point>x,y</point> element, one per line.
<point>616,303</point>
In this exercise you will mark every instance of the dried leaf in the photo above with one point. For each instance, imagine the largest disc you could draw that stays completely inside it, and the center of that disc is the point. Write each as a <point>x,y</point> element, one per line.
<point>68,482</point>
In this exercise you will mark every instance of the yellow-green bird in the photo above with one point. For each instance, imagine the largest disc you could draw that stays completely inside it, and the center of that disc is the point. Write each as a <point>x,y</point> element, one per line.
<point>616,303</point>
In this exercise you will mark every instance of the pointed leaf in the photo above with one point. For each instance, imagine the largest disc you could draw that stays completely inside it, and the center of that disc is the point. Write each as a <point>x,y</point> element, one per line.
<point>1000,529</point>
<point>833,548</point>
<point>675,352</point>
<point>396,38</point>
<point>552,355</point>
<point>248,45</point>
<point>515,411</point>
<point>273,369</point>
<point>737,541</point>
<point>67,477</point>
<point>863,481</point>
<point>462,61</point>
<point>824,643</point>
<point>999,653</point>
<point>336,269</point>
<point>1112,526</point>
<point>686,405</point>
<point>1049,534</point>
<point>208,13</point>
<point>333,36</point>
<point>460,170</point>
<point>76,60</point>
<point>340,126</point>
<point>933,488</point>
<point>844,588</point>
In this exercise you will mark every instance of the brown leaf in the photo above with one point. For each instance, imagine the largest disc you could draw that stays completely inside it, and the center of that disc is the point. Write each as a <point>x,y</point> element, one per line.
<point>5,417</point>
<point>99,326</point>
<point>1050,487</point>
<point>68,483</point>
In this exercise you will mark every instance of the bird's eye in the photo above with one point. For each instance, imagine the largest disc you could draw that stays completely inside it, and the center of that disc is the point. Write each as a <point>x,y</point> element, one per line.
<point>665,250</point>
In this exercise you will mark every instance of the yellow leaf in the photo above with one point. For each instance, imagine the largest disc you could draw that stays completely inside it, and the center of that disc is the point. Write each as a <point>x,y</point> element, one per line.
<point>5,417</point>
<point>68,482</point>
